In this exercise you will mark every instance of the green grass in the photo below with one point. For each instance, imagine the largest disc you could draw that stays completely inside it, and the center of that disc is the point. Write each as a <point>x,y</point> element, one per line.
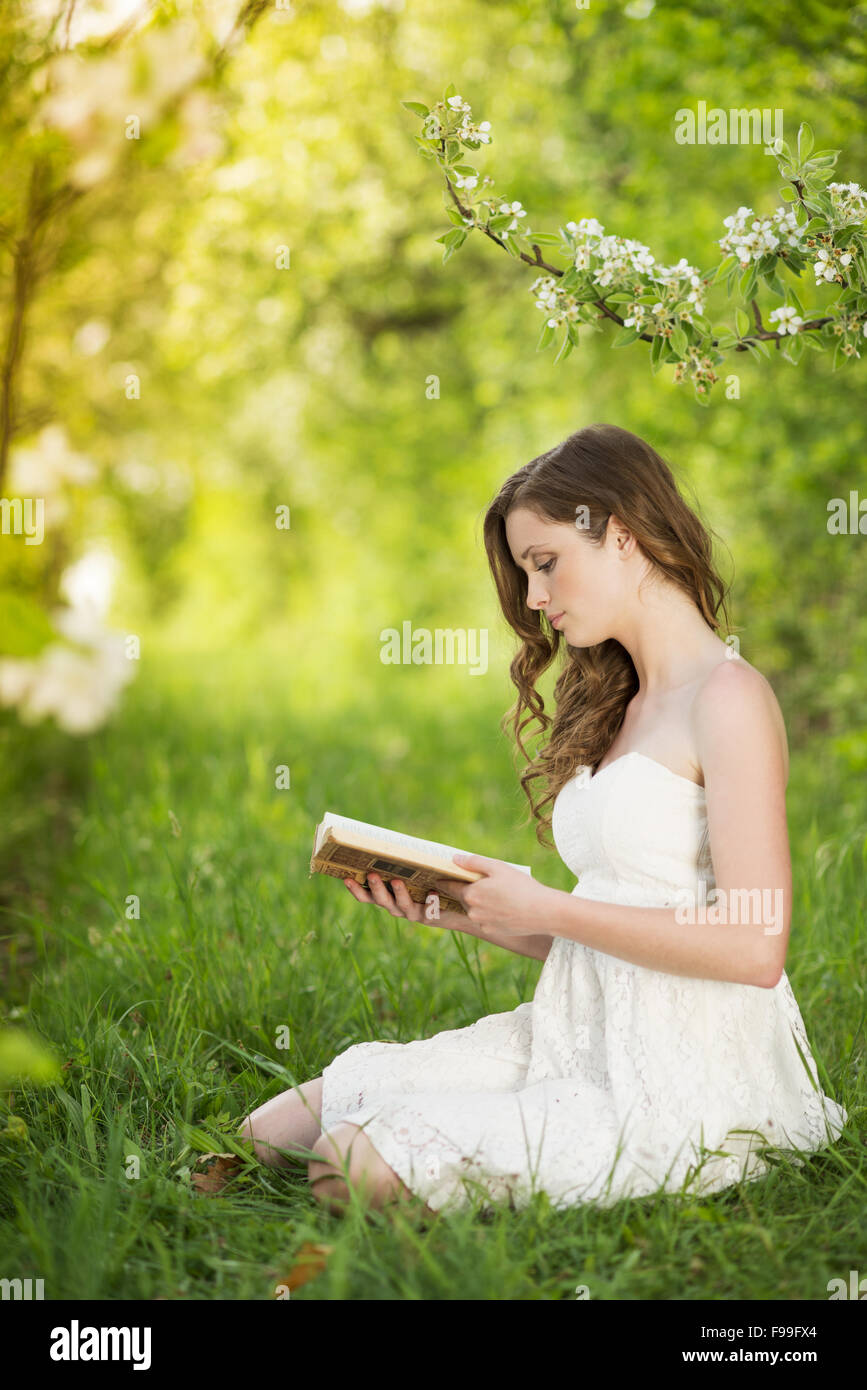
<point>166,1024</point>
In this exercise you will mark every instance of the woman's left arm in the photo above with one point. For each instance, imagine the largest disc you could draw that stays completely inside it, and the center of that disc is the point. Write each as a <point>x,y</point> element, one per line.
<point>745,936</point>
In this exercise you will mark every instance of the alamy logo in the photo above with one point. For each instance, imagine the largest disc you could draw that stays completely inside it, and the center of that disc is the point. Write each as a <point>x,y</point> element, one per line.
<point>856,517</point>
<point>739,126</point>
<point>76,1343</point>
<point>22,1288</point>
<point>857,1287</point>
<point>415,648</point>
<point>749,906</point>
<point>17,518</point>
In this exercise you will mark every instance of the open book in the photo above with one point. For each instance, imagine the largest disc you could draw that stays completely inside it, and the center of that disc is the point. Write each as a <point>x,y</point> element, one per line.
<point>348,848</point>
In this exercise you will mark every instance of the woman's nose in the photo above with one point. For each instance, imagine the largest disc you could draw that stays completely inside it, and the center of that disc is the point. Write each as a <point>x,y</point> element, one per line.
<point>536,597</point>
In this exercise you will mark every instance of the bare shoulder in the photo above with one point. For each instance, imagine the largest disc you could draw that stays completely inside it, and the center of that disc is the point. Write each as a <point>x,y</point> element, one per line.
<point>734,697</point>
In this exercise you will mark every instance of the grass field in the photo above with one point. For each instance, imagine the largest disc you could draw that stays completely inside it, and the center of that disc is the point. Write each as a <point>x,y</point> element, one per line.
<point>167,1023</point>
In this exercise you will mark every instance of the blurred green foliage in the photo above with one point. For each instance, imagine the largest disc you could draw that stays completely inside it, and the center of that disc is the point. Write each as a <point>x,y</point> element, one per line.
<point>269,380</point>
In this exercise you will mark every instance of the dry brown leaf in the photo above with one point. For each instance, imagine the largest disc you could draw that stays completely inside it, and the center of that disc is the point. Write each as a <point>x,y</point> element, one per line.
<point>310,1261</point>
<point>217,1171</point>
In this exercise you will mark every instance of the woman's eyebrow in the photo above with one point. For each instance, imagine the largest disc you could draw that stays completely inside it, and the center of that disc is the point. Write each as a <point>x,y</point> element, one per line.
<point>537,545</point>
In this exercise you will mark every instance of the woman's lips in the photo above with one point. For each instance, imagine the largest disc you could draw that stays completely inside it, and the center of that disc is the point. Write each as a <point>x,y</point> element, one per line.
<point>555,620</point>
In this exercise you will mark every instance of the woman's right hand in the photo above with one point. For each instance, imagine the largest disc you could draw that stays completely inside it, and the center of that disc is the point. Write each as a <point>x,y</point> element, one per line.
<point>396,898</point>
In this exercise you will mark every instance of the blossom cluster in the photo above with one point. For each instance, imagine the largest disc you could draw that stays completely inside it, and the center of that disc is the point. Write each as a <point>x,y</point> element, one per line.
<point>617,258</point>
<point>849,327</point>
<point>764,234</point>
<point>699,368</point>
<point>513,209</point>
<point>849,201</point>
<point>617,261</point>
<point>557,304</point>
<point>829,262</point>
<point>434,129</point>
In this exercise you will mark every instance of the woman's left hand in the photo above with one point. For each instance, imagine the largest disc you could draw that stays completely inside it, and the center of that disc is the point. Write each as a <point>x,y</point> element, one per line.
<point>505,900</point>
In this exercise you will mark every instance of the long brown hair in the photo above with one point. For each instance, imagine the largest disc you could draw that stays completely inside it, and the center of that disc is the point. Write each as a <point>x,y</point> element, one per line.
<point>608,471</point>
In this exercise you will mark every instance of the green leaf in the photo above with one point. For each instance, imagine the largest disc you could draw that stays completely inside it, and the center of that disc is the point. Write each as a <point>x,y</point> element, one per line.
<point>678,341</point>
<point>626,335</point>
<point>724,338</point>
<point>794,347</point>
<point>748,280</point>
<point>805,141</point>
<point>742,322</point>
<point>788,193</point>
<point>756,346</point>
<point>572,330</point>
<point>795,302</point>
<point>416,107</point>
<point>545,238</point>
<point>545,336</point>
<point>728,264</point>
<point>565,349</point>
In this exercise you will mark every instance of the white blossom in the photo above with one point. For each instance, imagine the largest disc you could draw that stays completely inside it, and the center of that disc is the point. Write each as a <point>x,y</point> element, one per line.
<point>849,200</point>
<point>788,319</point>
<point>765,234</point>
<point>824,266</point>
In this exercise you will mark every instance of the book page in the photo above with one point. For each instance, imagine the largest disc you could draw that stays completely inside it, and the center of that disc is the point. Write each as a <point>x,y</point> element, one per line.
<point>396,838</point>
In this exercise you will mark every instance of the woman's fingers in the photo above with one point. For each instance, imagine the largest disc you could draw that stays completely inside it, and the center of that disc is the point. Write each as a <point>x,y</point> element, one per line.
<point>406,901</point>
<point>360,894</point>
<point>402,904</point>
<point>382,895</point>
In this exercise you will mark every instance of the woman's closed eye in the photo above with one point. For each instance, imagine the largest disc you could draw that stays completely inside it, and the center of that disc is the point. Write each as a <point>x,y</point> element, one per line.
<point>544,567</point>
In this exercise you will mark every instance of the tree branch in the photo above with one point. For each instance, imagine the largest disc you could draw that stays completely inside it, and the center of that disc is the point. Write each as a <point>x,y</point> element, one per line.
<point>767,334</point>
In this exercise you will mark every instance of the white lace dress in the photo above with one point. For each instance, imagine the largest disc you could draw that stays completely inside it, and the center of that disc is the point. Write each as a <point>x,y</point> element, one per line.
<point>615,1079</point>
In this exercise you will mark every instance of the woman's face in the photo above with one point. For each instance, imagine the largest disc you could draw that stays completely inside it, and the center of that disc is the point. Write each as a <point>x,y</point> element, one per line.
<point>567,574</point>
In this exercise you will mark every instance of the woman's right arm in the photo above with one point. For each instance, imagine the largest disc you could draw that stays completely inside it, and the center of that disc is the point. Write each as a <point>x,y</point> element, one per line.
<point>395,897</point>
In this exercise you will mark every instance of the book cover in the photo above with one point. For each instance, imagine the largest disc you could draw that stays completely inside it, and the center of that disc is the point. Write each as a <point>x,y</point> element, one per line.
<point>346,848</point>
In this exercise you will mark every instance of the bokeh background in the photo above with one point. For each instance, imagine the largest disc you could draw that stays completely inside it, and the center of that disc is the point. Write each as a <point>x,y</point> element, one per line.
<point>236,307</point>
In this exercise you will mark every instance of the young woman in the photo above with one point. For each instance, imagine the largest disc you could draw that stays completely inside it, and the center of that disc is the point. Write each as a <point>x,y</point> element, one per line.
<point>663,1047</point>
